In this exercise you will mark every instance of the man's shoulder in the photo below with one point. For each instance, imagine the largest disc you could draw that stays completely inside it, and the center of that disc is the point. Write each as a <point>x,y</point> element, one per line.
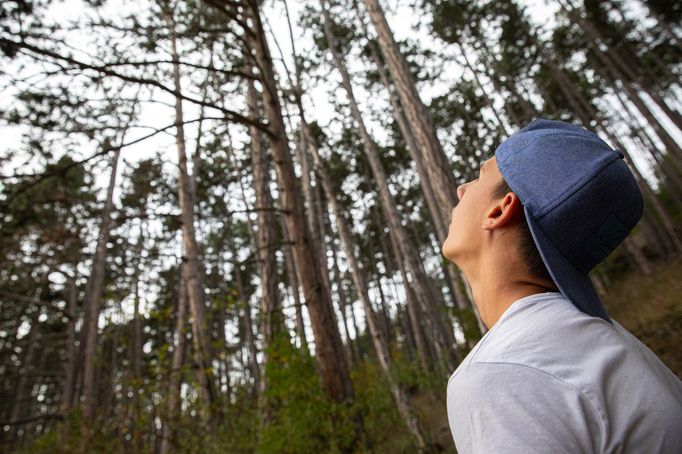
<point>546,357</point>
<point>548,335</point>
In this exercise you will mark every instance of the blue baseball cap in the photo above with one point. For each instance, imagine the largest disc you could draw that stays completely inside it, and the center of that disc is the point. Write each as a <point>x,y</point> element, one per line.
<point>579,197</point>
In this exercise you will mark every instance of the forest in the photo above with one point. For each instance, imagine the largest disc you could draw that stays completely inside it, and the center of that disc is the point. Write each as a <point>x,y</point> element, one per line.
<point>221,220</point>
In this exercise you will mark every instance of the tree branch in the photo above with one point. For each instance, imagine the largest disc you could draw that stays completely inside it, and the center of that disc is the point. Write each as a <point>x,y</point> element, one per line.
<point>28,419</point>
<point>42,176</point>
<point>191,65</point>
<point>229,114</point>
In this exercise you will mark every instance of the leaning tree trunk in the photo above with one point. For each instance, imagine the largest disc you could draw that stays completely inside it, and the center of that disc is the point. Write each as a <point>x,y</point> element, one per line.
<point>201,341</point>
<point>459,298</point>
<point>273,324</point>
<point>438,183</point>
<point>407,249</point>
<point>418,322</point>
<point>377,335</point>
<point>620,71</point>
<point>70,351</point>
<point>93,300</point>
<point>343,305</point>
<point>293,284</point>
<point>437,164</point>
<point>174,380</point>
<point>328,345</point>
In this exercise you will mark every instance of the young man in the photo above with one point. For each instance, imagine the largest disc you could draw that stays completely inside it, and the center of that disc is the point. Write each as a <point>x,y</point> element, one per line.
<point>554,374</point>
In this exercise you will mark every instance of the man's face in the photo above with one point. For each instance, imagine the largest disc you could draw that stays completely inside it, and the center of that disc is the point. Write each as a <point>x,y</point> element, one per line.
<point>476,197</point>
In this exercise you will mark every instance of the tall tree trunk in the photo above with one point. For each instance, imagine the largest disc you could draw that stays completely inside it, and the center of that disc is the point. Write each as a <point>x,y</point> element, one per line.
<point>622,73</point>
<point>136,355</point>
<point>437,164</point>
<point>417,321</point>
<point>70,349</point>
<point>201,341</point>
<point>306,183</point>
<point>273,320</point>
<point>247,328</point>
<point>356,327</point>
<point>409,252</point>
<point>93,300</point>
<point>459,298</point>
<point>387,326</point>
<point>378,339</point>
<point>175,376</point>
<point>293,285</point>
<point>328,345</point>
<point>343,305</point>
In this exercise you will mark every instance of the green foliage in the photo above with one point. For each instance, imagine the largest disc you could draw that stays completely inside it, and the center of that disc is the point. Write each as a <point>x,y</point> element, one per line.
<point>374,402</point>
<point>65,438</point>
<point>467,320</point>
<point>616,265</point>
<point>303,419</point>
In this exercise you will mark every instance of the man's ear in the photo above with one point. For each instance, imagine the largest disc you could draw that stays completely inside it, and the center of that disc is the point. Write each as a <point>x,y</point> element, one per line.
<point>503,212</point>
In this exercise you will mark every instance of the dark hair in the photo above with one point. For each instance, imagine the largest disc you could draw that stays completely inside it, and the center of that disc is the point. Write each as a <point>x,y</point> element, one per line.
<point>529,252</point>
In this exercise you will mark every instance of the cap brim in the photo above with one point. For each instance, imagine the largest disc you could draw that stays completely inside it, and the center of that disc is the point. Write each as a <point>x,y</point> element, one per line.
<point>574,284</point>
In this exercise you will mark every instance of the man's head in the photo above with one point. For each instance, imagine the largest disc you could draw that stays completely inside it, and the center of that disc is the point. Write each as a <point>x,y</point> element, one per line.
<point>576,195</point>
<point>489,219</point>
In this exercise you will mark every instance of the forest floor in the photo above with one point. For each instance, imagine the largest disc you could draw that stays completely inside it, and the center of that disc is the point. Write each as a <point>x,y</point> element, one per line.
<point>650,307</point>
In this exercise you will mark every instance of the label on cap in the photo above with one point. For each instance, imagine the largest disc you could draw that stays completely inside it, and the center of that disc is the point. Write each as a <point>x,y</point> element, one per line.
<point>607,237</point>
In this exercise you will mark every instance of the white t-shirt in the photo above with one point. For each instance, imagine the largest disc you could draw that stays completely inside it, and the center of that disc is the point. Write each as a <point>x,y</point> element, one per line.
<point>549,379</point>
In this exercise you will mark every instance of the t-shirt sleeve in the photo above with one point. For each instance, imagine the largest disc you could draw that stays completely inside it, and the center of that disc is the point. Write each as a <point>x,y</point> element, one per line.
<point>510,408</point>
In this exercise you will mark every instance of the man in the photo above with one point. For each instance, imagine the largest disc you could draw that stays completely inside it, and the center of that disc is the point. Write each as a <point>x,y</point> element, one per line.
<point>554,374</point>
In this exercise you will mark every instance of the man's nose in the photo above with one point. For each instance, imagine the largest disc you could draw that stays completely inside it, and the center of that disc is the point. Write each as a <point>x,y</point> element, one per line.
<point>461,189</point>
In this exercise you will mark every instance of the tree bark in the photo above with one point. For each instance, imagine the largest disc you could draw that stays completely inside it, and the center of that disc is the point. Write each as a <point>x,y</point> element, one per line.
<point>201,341</point>
<point>273,322</point>
<point>378,339</point>
<point>93,301</point>
<point>70,348</point>
<point>328,345</point>
<point>437,164</point>
<point>175,375</point>
<point>406,246</point>
<point>293,284</point>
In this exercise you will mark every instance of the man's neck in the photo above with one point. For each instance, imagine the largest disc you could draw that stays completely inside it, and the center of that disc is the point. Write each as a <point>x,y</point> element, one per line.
<point>496,286</point>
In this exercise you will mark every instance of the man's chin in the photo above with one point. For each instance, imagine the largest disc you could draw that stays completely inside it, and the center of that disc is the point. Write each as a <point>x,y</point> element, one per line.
<point>449,252</point>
